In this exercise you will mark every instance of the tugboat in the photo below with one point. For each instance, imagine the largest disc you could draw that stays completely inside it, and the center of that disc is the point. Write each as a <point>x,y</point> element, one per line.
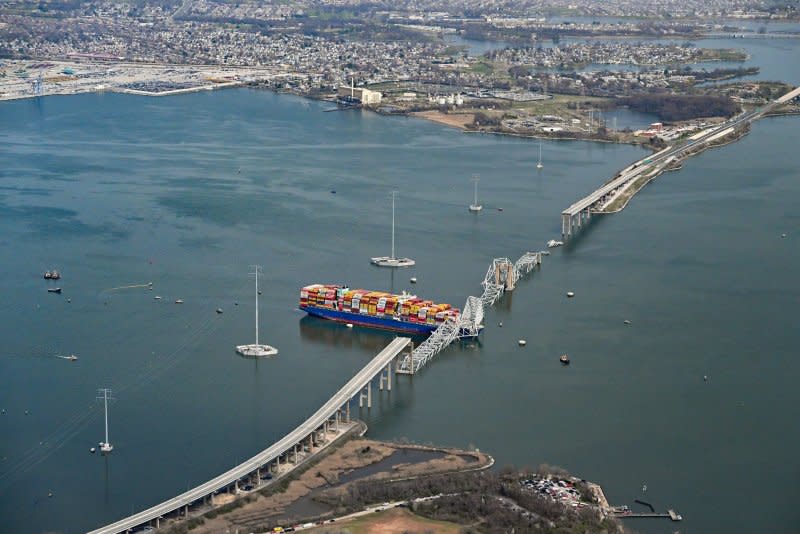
<point>564,359</point>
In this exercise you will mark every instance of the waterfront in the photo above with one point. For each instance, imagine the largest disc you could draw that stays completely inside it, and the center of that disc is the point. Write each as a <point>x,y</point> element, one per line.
<point>115,190</point>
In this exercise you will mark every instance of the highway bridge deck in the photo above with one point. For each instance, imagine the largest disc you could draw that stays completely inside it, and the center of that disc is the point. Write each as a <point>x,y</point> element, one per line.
<point>331,409</point>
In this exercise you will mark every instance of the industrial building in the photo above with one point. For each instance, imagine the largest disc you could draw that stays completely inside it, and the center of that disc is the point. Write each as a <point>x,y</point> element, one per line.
<point>358,95</point>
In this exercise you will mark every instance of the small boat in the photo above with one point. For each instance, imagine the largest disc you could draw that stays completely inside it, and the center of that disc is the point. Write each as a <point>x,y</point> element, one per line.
<point>157,297</point>
<point>55,275</point>
<point>475,207</point>
<point>553,243</point>
<point>392,261</point>
<point>522,342</point>
<point>413,280</point>
<point>564,359</point>
<point>48,275</point>
<point>544,252</point>
<point>256,350</point>
<point>219,310</point>
<point>626,321</point>
<point>54,290</point>
<point>178,301</point>
<point>539,165</point>
<point>570,294</point>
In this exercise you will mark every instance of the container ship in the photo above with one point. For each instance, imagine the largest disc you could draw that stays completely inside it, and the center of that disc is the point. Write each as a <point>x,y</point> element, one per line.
<point>375,309</point>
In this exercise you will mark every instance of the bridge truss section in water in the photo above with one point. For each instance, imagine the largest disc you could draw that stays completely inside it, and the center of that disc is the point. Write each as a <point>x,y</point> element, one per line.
<point>502,276</point>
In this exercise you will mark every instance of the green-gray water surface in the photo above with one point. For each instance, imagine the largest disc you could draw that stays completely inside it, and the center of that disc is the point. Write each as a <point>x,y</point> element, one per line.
<point>189,191</point>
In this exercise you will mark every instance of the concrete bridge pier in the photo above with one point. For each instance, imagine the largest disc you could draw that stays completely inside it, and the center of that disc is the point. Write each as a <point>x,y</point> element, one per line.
<point>387,378</point>
<point>368,396</point>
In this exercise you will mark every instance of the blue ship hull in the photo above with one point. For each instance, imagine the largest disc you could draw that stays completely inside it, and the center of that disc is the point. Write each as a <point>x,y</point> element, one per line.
<point>383,323</point>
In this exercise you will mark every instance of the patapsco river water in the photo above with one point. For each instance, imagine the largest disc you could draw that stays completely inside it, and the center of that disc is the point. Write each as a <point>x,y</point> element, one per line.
<point>189,191</point>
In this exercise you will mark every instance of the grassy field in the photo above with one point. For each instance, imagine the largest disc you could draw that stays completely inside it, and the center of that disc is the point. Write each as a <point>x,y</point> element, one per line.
<point>394,521</point>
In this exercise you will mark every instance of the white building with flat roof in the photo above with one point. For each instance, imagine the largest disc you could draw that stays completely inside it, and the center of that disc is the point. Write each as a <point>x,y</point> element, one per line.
<point>365,96</point>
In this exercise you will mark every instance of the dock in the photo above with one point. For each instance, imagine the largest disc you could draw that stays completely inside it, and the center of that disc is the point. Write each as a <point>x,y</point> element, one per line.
<point>670,514</point>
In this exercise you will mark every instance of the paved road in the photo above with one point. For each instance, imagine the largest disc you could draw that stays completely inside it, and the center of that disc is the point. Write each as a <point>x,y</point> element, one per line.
<point>347,392</point>
<point>648,163</point>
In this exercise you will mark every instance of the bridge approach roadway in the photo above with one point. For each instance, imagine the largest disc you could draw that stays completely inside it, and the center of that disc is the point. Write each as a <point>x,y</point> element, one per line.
<point>574,216</point>
<point>336,409</point>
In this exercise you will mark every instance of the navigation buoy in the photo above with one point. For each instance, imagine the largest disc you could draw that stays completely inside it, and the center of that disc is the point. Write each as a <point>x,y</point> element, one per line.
<point>26,412</point>
<point>219,310</point>
<point>235,303</point>
<point>570,294</point>
<point>522,342</point>
<point>92,450</point>
<point>69,300</point>
<point>644,488</point>
<point>49,494</point>
<point>705,378</point>
<point>500,324</point>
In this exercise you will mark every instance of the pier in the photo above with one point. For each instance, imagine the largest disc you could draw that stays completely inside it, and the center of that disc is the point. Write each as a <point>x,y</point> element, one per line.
<point>580,212</point>
<point>327,423</point>
<point>670,514</point>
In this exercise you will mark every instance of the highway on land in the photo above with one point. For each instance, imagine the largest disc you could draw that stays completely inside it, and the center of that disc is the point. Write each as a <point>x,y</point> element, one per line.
<point>339,399</point>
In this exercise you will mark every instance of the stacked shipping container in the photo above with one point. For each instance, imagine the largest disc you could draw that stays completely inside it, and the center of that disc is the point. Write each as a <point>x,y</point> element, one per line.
<point>405,308</point>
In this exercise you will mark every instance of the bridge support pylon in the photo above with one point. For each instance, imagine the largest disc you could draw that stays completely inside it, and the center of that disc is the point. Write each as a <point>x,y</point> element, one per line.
<point>367,395</point>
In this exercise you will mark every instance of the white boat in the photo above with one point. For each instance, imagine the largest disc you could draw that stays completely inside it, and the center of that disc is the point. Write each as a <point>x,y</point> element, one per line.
<point>256,350</point>
<point>553,243</point>
<point>475,207</point>
<point>539,165</point>
<point>105,446</point>
<point>392,261</point>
